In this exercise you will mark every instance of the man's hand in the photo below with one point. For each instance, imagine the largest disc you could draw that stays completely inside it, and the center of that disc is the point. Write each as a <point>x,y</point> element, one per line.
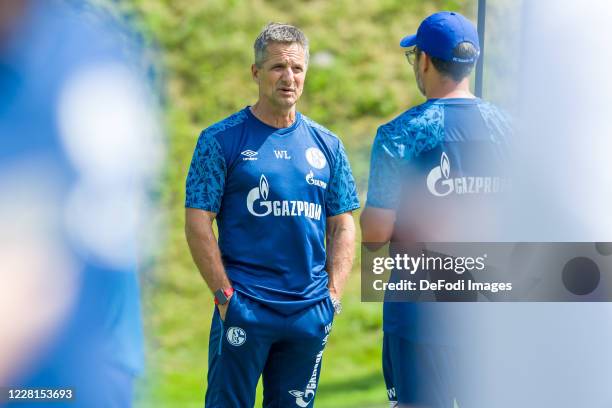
<point>336,304</point>
<point>334,294</point>
<point>223,308</point>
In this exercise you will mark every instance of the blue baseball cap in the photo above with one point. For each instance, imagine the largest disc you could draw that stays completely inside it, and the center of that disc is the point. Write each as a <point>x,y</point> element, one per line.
<point>440,33</point>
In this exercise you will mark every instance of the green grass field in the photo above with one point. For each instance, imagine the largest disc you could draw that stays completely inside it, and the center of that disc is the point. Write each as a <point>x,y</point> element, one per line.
<point>358,79</point>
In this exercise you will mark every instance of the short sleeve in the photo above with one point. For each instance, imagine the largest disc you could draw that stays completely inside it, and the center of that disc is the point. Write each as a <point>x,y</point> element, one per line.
<point>384,184</point>
<point>342,191</point>
<point>206,178</point>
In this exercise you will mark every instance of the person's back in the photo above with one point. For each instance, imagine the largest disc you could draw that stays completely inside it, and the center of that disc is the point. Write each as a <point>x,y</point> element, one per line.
<point>451,156</point>
<point>437,173</point>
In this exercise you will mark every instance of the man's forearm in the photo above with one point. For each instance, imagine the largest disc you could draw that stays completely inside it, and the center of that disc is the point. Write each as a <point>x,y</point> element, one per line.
<point>340,252</point>
<point>205,252</point>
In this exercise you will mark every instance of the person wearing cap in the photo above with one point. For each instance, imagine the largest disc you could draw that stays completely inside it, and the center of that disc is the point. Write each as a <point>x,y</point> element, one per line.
<point>420,191</point>
<point>282,192</point>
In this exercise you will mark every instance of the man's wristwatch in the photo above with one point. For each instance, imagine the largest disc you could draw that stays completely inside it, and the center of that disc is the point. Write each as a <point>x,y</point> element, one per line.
<point>337,305</point>
<point>223,295</point>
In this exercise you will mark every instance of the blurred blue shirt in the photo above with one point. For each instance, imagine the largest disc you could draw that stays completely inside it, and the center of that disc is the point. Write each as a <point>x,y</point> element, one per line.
<point>47,64</point>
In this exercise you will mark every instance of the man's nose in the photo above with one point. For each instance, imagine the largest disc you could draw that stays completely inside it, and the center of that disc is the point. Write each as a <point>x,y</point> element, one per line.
<point>287,75</point>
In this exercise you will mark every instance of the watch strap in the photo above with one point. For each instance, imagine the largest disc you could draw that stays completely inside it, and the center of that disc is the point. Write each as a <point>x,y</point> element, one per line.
<point>337,305</point>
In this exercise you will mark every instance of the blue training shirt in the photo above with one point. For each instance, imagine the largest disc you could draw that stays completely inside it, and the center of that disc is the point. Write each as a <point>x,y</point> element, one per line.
<point>272,190</point>
<point>440,166</point>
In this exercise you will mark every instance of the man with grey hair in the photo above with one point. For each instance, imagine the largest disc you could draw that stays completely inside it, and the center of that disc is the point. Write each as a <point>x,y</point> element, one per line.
<point>282,192</point>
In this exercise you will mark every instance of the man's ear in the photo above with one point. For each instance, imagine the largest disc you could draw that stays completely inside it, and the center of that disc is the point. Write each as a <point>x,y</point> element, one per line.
<point>425,61</point>
<point>255,73</point>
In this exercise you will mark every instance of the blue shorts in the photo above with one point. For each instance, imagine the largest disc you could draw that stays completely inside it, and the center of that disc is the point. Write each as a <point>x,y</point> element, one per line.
<point>255,340</point>
<point>421,374</point>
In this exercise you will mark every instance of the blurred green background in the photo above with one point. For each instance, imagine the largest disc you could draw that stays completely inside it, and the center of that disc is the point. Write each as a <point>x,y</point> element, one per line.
<point>358,79</point>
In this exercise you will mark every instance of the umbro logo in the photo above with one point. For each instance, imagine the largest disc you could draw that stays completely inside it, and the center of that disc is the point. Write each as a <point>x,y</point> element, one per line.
<point>249,155</point>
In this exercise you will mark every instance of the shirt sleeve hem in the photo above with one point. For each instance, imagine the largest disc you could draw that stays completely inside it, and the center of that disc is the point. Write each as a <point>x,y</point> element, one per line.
<point>376,204</point>
<point>343,210</point>
<point>201,207</point>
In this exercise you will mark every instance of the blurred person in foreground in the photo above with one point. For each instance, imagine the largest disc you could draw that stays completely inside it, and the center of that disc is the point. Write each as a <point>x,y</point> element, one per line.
<point>282,192</point>
<point>78,146</point>
<point>435,175</point>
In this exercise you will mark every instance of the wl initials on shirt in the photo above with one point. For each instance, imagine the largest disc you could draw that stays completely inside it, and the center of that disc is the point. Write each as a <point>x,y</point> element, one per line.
<point>282,154</point>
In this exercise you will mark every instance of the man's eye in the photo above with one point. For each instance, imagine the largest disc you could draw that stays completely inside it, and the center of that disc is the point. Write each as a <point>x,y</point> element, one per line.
<point>298,69</point>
